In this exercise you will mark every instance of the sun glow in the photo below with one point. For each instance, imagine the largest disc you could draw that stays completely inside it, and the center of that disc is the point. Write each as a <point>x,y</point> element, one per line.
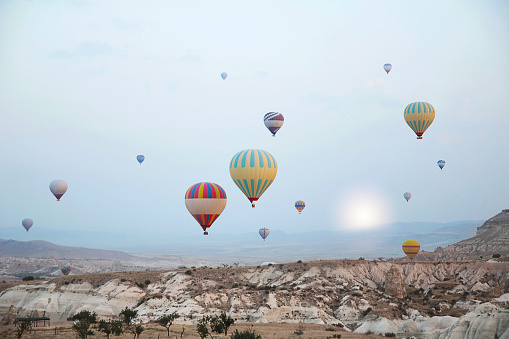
<point>360,210</point>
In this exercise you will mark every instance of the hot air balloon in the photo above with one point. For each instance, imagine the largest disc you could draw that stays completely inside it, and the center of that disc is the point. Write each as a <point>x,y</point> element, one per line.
<point>205,201</point>
<point>66,269</point>
<point>27,223</point>
<point>441,164</point>
<point>140,158</point>
<point>264,233</point>
<point>273,121</point>
<point>387,68</point>
<point>253,171</point>
<point>419,116</point>
<point>224,75</point>
<point>407,195</point>
<point>299,205</point>
<point>411,248</point>
<point>58,188</point>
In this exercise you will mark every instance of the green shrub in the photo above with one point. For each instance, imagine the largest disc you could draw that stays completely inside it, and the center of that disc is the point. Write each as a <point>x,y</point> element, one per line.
<point>189,272</point>
<point>28,278</point>
<point>247,334</point>
<point>390,334</point>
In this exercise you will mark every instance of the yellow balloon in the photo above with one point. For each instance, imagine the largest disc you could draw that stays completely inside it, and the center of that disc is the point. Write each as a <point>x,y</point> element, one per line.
<point>419,116</point>
<point>253,171</point>
<point>411,248</point>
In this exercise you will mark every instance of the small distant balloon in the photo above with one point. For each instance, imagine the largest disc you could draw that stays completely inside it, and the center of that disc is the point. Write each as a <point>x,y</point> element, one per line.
<point>419,116</point>
<point>140,158</point>
<point>224,75</point>
<point>387,68</point>
<point>300,205</point>
<point>264,233</point>
<point>441,164</point>
<point>411,248</point>
<point>58,188</point>
<point>273,121</point>
<point>27,223</point>
<point>407,195</point>
<point>66,269</point>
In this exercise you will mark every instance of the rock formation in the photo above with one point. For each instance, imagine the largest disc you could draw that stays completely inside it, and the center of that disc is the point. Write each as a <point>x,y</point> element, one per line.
<point>492,238</point>
<point>10,316</point>
<point>394,283</point>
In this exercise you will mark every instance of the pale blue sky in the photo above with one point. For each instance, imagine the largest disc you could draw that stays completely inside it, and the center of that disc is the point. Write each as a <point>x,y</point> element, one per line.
<point>87,85</point>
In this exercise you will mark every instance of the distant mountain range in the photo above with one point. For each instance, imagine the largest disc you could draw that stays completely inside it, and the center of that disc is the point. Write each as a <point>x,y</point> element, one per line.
<point>45,249</point>
<point>247,248</point>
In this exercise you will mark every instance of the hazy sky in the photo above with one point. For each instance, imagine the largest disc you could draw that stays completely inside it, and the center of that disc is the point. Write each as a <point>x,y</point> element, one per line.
<point>85,86</point>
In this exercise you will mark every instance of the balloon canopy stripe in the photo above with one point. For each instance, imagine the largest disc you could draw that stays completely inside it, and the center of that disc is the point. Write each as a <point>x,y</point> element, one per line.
<point>273,116</point>
<point>205,220</point>
<point>249,158</point>
<point>205,190</point>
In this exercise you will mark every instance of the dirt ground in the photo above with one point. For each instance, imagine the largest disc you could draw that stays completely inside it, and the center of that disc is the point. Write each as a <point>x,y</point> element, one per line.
<point>154,331</point>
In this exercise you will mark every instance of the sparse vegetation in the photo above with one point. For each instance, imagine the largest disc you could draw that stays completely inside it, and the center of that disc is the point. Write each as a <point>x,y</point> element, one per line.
<point>496,255</point>
<point>110,327</point>
<point>299,330</point>
<point>28,278</point>
<point>188,272</point>
<point>202,328</point>
<point>22,327</point>
<point>167,320</point>
<point>247,334</point>
<point>82,322</point>
<point>390,334</point>
<point>221,323</point>
<point>299,261</point>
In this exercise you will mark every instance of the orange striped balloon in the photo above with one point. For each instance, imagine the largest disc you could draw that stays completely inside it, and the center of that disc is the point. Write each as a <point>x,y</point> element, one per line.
<point>411,248</point>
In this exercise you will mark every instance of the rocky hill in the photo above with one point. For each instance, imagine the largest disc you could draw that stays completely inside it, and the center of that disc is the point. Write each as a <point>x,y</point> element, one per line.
<point>44,249</point>
<point>360,295</point>
<point>492,238</point>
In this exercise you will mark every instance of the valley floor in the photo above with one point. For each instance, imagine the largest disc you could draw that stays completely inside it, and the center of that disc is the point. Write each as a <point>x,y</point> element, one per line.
<point>153,331</point>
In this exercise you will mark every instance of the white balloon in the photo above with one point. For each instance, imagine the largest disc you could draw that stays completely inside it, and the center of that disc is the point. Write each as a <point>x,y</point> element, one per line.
<point>58,188</point>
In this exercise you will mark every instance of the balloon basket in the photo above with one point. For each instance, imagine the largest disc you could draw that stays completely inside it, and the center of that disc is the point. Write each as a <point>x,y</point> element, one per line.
<point>205,233</point>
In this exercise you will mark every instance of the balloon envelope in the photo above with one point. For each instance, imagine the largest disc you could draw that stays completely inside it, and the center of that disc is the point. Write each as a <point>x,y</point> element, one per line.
<point>66,269</point>
<point>411,248</point>
<point>407,195</point>
<point>419,116</point>
<point>224,75</point>
<point>264,233</point>
<point>387,68</point>
<point>140,158</point>
<point>253,171</point>
<point>58,188</point>
<point>441,163</point>
<point>27,223</point>
<point>299,205</point>
<point>273,121</point>
<point>205,201</point>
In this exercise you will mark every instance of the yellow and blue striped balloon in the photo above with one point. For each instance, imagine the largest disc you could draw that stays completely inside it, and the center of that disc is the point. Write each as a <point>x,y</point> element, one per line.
<point>419,116</point>
<point>253,171</point>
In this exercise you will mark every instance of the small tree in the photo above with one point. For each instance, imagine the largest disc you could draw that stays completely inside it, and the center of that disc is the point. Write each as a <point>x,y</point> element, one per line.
<point>82,322</point>
<point>201,327</point>
<point>22,327</point>
<point>138,329</point>
<point>222,323</point>
<point>167,321</point>
<point>128,316</point>
<point>110,327</point>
